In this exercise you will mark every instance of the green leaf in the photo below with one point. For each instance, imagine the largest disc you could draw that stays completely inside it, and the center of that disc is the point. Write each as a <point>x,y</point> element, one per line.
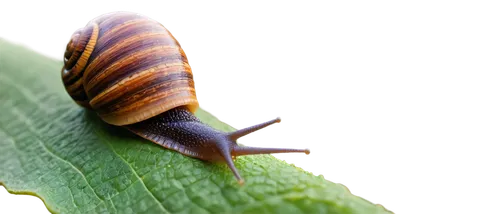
<point>76,163</point>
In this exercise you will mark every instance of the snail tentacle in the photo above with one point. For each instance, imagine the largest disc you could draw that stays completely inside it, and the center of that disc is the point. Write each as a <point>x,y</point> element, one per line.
<point>242,132</point>
<point>246,150</point>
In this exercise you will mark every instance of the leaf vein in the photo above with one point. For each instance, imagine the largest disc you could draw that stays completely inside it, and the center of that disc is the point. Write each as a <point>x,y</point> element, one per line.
<point>113,205</point>
<point>51,153</point>
<point>71,165</point>
<point>136,175</point>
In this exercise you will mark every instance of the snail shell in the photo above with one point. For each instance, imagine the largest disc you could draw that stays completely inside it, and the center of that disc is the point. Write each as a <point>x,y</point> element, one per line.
<point>127,68</point>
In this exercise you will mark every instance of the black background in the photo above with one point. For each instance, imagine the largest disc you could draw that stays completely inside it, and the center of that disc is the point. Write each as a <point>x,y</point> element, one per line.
<point>337,73</point>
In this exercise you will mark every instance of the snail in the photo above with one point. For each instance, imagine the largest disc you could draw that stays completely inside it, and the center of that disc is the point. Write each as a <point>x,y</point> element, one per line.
<point>133,73</point>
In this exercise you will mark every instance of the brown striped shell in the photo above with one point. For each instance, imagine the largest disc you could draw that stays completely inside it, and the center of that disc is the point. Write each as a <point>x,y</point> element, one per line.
<point>127,68</point>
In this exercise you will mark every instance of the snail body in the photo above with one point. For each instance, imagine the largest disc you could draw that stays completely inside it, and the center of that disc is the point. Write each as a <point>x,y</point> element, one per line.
<point>133,73</point>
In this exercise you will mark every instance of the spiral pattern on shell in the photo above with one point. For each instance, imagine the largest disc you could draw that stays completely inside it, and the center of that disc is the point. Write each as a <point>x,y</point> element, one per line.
<point>127,68</point>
